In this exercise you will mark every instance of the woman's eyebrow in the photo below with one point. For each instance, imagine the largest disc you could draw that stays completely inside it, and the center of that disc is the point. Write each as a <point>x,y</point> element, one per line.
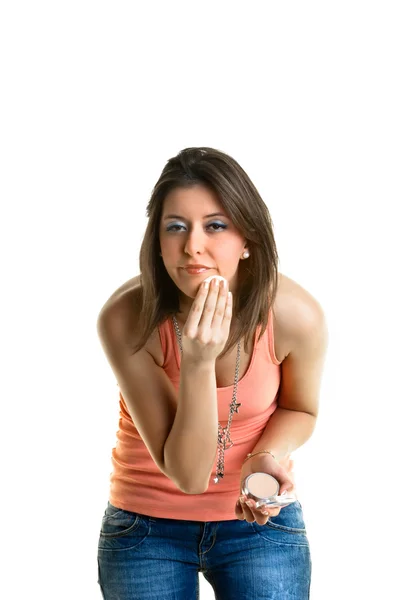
<point>218,214</point>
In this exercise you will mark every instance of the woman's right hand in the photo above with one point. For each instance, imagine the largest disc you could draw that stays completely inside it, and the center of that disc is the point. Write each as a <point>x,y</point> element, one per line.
<point>207,327</point>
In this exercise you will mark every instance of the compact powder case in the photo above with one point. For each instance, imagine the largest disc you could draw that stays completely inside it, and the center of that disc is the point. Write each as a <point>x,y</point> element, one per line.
<point>264,490</point>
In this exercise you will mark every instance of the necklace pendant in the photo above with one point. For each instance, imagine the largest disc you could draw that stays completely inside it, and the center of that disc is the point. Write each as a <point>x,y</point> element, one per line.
<point>218,476</point>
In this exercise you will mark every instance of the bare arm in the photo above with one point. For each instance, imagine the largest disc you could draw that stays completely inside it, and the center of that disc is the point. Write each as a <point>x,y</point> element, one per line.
<point>190,449</point>
<point>179,432</point>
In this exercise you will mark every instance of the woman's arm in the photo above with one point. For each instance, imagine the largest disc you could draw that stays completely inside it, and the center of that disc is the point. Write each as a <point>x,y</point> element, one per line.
<point>190,449</point>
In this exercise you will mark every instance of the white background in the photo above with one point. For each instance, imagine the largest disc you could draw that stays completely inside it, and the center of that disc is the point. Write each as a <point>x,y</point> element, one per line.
<point>309,97</point>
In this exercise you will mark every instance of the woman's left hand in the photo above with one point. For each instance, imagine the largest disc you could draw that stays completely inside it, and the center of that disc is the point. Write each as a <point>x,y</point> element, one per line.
<point>263,463</point>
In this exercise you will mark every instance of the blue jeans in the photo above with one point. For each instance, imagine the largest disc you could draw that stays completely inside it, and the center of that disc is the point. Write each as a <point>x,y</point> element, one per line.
<point>147,558</point>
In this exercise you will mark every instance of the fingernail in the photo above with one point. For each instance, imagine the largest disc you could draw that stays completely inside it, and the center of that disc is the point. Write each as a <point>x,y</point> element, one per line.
<point>284,493</point>
<point>242,500</point>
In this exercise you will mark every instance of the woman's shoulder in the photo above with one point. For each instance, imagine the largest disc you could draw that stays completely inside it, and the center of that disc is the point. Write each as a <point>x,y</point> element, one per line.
<point>293,309</point>
<point>125,304</point>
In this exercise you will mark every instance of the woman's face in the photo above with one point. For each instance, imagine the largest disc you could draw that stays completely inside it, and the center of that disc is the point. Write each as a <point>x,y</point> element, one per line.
<point>188,235</point>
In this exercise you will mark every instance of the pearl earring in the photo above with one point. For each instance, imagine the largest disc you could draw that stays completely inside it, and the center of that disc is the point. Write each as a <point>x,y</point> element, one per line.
<point>246,254</point>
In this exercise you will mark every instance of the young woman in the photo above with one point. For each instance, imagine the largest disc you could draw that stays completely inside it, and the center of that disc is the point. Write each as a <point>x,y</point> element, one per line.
<point>207,376</point>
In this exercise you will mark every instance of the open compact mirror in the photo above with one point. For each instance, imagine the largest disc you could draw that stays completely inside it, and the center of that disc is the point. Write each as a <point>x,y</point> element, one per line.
<point>264,490</point>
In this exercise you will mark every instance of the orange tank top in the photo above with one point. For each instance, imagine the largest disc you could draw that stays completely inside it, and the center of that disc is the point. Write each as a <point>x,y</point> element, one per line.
<point>138,485</point>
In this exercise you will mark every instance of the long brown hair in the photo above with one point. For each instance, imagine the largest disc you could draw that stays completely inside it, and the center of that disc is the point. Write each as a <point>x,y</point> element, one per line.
<point>257,275</point>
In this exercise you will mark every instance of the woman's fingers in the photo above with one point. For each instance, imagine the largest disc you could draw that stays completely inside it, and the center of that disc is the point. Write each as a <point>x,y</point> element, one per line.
<point>213,311</point>
<point>251,514</point>
<point>208,324</point>
<point>195,314</point>
<point>222,310</point>
<point>201,313</point>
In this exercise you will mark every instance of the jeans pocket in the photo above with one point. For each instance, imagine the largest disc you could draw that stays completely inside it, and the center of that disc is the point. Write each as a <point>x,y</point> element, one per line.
<point>118,522</point>
<point>122,529</point>
<point>290,519</point>
<point>286,528</point>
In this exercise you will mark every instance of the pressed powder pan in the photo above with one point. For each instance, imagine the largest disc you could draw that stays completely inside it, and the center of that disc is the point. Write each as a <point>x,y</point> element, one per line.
<point>264,490</point>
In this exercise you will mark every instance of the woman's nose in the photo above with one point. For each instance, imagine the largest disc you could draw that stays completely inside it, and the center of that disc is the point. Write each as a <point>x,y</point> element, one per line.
<point>194,243</point>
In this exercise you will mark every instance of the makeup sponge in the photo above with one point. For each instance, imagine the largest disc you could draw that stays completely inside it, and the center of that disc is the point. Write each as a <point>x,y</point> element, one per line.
<point>214,277</point>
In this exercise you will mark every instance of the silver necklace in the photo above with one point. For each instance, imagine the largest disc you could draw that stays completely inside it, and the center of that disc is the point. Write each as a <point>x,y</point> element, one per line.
<point>223,438</point>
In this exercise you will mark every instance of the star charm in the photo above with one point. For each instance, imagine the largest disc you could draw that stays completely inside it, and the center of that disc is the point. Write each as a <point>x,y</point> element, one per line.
<point>235,407</point>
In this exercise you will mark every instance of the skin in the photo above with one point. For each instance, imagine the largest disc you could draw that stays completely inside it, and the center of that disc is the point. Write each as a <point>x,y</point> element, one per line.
<point>196,240</point>
<point>264,463</point>
<point>300,327</point>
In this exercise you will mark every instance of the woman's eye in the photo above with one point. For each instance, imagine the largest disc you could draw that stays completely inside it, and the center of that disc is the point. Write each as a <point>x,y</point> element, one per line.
<point>217,226</point>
